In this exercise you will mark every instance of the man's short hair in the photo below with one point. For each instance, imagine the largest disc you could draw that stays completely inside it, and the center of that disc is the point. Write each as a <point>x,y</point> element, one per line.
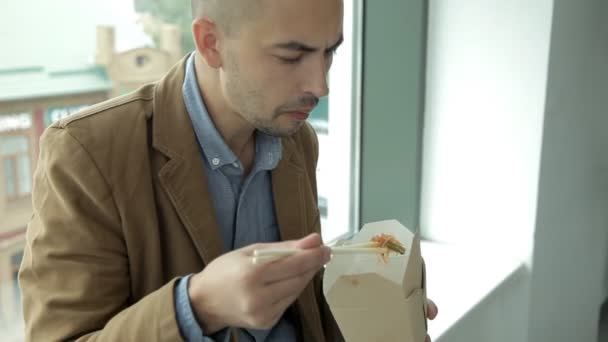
<point>228,14</point>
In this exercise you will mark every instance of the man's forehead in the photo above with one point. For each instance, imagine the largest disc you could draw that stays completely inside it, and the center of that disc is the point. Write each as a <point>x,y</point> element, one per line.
<point>318,26</point>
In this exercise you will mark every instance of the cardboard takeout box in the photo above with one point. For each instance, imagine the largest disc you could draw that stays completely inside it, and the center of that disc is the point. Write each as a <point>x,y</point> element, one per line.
<point>376,301</point>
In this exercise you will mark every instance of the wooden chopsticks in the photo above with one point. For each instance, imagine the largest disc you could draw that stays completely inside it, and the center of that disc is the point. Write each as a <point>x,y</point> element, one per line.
<point>269,254</point>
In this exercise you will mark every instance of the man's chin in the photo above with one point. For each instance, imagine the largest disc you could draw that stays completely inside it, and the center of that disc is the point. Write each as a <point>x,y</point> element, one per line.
<point>283,131</point>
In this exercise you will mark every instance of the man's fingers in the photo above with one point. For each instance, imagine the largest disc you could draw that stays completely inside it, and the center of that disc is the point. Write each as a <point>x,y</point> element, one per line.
<point>310,241</point>
<point>296,265</point>
<point>281,295</point>
<point>432,310</point>
<point>272,300</point>
<point>284,303</point>
<point>278,291</point>
<point>431,313</point>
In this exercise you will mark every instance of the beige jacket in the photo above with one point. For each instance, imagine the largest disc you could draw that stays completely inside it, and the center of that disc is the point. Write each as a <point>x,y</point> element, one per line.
<point>121,209</point>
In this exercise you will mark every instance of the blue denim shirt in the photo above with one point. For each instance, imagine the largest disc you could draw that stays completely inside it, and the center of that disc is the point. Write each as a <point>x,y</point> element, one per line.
<point>244,209</point>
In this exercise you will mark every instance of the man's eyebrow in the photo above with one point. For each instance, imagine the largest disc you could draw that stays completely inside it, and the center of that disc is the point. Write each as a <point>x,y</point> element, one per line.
<point>301,47</point>
<point>295,46</point>
<point>336,45</point>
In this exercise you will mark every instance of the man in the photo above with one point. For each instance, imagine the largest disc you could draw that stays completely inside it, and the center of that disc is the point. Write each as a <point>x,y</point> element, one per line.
<point>147,207</point>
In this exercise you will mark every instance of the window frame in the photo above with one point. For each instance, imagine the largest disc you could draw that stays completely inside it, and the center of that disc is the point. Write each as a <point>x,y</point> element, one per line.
<point>393,99</point>
<point>15,157</point>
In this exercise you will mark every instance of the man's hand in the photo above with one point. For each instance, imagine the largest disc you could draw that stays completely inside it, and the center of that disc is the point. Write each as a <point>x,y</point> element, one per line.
<point>431,313</point>
<point>232,291</point>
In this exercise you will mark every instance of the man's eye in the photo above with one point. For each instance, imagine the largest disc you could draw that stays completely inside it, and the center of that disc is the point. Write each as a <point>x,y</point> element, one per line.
<point>290,60</point>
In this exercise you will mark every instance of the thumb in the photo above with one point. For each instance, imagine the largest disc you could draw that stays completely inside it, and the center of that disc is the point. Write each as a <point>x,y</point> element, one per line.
<point>311,241</point>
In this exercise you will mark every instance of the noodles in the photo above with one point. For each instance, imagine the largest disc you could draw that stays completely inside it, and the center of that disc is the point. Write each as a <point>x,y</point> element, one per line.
<point>390,243</point>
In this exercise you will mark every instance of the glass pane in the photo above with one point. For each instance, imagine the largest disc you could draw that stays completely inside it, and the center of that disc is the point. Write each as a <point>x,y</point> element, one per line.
<point>10,185</point>
<point>17,144</point>
<point>16,259</point>
<point>15,263</point>
<point>335,121</point>
<point>25,178</point>
<point>54,114</point>
<point>319,117</point>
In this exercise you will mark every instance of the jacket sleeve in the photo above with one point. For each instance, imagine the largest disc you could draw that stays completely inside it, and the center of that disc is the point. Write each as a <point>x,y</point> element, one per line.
<point>74,276</point>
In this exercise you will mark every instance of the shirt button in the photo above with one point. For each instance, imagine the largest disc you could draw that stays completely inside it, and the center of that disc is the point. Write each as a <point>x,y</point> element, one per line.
<point>216,161</point>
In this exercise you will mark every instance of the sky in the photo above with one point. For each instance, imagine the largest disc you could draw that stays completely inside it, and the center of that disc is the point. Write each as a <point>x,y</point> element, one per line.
<point>61,33</point>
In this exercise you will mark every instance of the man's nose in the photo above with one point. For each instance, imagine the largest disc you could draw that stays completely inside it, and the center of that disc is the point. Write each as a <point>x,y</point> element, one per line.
<point>316,80</point>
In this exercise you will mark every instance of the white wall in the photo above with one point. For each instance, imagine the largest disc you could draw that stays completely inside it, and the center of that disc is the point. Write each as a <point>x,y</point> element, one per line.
<point>486,82</point>
<point>501,317</point>
<point>486,78</point>
<point>569,267</point>
<point>516,153</point>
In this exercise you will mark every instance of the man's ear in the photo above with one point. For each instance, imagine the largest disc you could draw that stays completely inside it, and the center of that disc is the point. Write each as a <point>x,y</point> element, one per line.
<point>206,39</point>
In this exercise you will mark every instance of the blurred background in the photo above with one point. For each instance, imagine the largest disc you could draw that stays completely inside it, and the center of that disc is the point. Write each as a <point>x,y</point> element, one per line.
<point>481,124</point>
<point>57,57</point>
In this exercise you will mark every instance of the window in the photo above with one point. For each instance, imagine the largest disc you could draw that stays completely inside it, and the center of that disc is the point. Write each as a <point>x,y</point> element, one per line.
<point>52,115</point>
<point>319,118</point>
<point>336,121</point>
<point>15,156</point>
<point>15,264</point>
<point>141,60</point>
<point>13,122</point>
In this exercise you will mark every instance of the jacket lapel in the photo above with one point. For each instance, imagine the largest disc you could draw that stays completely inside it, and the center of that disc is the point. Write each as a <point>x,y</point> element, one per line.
<point>289,181</point>
<point>183,177</point>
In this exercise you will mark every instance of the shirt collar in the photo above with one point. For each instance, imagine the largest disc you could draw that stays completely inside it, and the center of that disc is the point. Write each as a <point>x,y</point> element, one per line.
<point>215,150</point>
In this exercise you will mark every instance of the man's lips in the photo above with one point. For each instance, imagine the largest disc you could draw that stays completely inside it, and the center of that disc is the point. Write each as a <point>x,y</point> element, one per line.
<point>300,114</point>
